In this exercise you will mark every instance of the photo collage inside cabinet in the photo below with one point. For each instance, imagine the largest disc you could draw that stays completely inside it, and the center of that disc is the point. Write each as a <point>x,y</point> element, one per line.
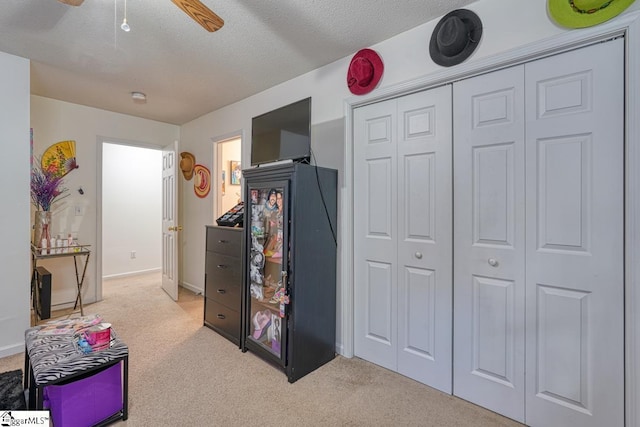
<point>267,287</point>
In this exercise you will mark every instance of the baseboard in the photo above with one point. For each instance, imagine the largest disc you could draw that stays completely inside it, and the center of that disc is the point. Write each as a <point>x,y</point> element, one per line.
<point>195,289</point>
<point>132,273</point>
<point>69,304</point>
<point>10,350</point>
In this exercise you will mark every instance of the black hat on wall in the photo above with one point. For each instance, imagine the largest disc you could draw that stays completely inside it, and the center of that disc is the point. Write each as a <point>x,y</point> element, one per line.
<point>455,37</point>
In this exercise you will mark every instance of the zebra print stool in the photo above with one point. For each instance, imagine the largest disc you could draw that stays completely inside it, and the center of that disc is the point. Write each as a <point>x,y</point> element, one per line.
<point>53,359</point>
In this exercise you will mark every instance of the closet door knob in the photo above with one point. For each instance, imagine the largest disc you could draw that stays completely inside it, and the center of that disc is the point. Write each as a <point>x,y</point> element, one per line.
<point>419,255</point>
<point>493,262</point>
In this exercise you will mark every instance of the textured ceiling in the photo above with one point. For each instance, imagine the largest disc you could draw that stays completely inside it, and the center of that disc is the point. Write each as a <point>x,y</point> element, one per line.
<point>80,55</point>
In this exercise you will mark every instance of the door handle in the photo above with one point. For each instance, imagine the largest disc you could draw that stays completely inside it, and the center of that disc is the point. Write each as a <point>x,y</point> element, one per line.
<point>418,255</point>
<point>222,291</point>
<point>493,262</point>
<point>222,266</point>
<point>221,316</point>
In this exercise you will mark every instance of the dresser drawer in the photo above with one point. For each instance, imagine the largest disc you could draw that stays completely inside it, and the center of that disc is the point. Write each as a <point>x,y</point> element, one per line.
<point>224,292</point>
<point>225,240</point>
<point>222,319</point>
<point>224,268</point>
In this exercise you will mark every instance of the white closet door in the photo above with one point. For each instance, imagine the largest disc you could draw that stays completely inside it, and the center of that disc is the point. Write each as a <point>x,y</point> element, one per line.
<point>375,234</point>
<point>575,324</point>
<point>424,237</point>
<point>489,241</point>
<point>402,241</point>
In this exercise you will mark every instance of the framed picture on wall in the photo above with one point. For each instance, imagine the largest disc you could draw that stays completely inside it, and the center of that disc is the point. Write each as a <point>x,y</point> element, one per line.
<point>236,172</point>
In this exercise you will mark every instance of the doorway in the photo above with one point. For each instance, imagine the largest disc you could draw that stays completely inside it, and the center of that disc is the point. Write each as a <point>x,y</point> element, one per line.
<point>227,174</point>
<point>128,209</point>
<point>131,208</point>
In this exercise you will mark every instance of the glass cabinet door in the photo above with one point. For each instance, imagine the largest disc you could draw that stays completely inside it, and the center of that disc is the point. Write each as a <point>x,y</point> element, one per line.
<point>267,266</point>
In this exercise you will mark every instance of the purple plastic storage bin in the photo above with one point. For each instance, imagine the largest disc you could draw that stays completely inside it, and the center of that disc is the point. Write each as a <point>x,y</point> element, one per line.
<point>87,401</point>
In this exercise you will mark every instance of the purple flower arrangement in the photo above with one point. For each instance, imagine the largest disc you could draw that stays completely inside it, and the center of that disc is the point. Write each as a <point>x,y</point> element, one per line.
<point>46,188</point>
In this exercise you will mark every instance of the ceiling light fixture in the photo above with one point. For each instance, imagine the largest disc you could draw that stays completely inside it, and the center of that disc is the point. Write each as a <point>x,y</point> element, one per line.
<point>125,27</point>
<point>139,97</point>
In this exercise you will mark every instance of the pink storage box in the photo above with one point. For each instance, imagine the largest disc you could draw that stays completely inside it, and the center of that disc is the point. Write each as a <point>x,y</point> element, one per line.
<point>98,337</point>
<point>86,401</point>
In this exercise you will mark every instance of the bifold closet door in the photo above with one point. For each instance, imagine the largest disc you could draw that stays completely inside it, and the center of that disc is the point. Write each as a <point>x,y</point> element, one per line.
<point>538,250</point>
<point>489,247</point>
<point>402,235</point>
<point>574,238</point>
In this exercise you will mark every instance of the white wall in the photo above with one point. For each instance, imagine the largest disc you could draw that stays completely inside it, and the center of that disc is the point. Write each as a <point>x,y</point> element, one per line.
<point>131,210</point>
<point>54,121</point>
<point>507,25</point>
<point>14,202</point>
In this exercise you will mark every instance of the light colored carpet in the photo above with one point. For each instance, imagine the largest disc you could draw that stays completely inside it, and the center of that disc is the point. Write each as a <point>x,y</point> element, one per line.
<point>181,372</point>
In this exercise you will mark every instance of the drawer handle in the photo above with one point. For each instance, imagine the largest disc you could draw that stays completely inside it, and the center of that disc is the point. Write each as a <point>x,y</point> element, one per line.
<point>221,316</point>
<point>222,266</point>
<point>222,291</point>
<point>223,241</point>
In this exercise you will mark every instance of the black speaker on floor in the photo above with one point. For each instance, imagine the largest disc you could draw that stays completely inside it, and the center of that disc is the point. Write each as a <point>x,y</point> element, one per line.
<point>43,293</point>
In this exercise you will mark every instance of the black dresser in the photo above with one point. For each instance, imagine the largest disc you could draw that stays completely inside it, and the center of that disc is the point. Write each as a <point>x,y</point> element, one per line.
<point>223,281</point>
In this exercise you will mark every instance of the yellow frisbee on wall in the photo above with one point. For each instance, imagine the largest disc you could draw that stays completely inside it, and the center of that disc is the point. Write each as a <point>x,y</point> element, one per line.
<point>60,158</point>
<point>202,180</point>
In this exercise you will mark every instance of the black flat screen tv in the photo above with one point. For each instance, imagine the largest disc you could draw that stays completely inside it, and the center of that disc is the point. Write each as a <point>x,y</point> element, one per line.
<point>282,134</point>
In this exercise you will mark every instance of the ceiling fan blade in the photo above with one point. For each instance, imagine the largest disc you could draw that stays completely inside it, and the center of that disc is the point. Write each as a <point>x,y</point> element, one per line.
<point>72,2</point>
<point>201,14</point>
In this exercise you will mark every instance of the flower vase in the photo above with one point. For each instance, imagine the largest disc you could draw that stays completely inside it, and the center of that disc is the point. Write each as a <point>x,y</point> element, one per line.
<point>41,228</point>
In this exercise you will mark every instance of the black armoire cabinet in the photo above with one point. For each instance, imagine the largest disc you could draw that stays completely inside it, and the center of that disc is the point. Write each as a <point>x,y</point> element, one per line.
<point>289,290</point>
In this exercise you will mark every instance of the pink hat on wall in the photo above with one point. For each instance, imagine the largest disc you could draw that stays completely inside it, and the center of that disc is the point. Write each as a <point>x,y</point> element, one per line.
<point>365,71</point>
<point>202,182</point>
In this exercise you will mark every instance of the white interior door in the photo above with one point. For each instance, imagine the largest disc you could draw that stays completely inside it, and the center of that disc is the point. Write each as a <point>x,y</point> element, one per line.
<point>170,226</point>
<point>574,238</point>
<point>403,235</point>
<point>489,243</point>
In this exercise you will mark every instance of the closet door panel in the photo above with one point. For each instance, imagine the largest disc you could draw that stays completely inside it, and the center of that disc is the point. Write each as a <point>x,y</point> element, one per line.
<point>424,237</point>
<point>575,252</point>
<point>402,235</point>
<point>376,236</point>
<point>488,188</point>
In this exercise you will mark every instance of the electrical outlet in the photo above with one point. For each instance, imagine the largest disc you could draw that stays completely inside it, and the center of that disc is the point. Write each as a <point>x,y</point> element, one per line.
<point>133,254</point>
